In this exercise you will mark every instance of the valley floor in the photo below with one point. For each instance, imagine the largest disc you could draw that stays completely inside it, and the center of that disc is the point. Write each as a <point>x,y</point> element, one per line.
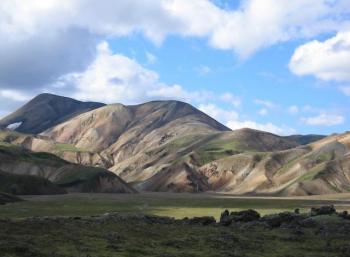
<point>124,225</point>
<point>163,204</point>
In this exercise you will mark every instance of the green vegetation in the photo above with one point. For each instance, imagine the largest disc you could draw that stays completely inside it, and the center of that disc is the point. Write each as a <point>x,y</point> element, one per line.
<point>311,174</point>
<point>61,147</point>
<point>131,234</point>
<point>78,174</point>
<point>27,185</point>
<point>16,153</point>
<point>135,237</point>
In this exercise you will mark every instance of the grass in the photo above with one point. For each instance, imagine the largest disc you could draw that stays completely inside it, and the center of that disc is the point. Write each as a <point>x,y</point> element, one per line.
<point>61,147</point>
<point>311,174</point>
<point>173,205</point>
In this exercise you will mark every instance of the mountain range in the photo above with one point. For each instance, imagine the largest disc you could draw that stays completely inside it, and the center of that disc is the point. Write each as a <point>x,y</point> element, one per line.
<point>168,146</point>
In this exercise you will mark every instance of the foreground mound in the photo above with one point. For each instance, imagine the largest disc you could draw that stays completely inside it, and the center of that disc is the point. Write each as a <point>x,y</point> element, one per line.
<point>27,185</point>
<point>40,167</point>
<point>7,198</point>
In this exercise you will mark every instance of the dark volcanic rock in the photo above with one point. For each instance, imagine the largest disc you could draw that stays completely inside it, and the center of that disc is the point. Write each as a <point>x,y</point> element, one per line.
<point>323,210</point>
<point>227,218</point>
<point>206,220</point>
<point>286,218</point>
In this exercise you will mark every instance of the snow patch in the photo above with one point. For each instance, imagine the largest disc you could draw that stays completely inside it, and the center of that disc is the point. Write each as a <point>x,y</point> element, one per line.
<point>14,126</point>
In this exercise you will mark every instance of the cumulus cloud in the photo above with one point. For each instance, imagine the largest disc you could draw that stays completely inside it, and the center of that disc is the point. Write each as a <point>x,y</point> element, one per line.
<point>43,40</point>
<point>112,78</point>
<point>14,95</point>
<point>268,127</point>
<point>233,120</point>
<point>327,60</point>
<point>324,119</point>
<point>218,113</point>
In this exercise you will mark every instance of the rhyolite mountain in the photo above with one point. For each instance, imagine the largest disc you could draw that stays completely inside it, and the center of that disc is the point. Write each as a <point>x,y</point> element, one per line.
<point>171,146</point>
<point>45,111</point>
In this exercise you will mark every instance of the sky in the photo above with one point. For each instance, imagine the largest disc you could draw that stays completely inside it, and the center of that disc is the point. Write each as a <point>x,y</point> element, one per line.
<point>275,65</point>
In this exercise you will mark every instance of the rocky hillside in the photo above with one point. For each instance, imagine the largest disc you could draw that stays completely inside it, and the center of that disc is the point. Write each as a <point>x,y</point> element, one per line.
<point>45,111</point>
<point>322,167</point>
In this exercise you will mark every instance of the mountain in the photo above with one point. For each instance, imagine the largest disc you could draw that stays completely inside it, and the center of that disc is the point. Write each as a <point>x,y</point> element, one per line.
<point>34,173</point>
<point>134,127</point>
<point>171,146</point>
<point>45,111</point>
<point>155,145</point>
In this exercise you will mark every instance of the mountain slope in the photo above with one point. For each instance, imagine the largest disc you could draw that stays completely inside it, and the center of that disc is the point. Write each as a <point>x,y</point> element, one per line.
<point>322,167</point>
<point>136,126</point>
<point>45,111</point>
<point>73,178</point>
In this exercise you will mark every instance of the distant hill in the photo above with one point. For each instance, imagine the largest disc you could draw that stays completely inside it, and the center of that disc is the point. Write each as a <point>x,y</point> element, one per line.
<point>304,139</point>
<point>45,111</point>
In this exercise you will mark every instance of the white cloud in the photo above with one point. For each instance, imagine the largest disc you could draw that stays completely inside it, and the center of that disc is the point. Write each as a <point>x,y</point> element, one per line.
<point>265,103</point>
<point>293,109</point>
<point>231,99</point>
<point>345,90</point>
<point>263,112</point>
<point>14,95</point>
<point>218,113</point>
<point>116,78</point>
<point>232,120</point>
<point>324,119</point>
<point>151,58</point>
<point>268,127</point>
<point>327,60</point>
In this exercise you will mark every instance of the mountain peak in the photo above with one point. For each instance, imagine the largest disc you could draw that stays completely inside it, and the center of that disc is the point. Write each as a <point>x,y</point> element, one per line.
<point>44,111</point>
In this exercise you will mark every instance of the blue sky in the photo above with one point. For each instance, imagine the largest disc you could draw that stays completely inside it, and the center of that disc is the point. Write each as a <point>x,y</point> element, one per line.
<point>272,65</point>
<point>265,76</point>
